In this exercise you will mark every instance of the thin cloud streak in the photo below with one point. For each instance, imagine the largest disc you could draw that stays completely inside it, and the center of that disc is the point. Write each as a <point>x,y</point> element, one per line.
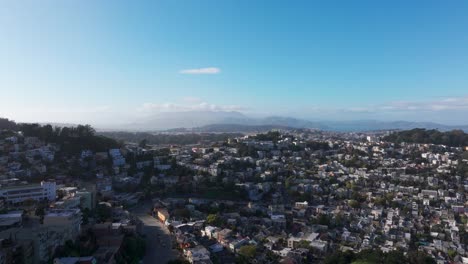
<point>203,106</point>
<point>208,70</point>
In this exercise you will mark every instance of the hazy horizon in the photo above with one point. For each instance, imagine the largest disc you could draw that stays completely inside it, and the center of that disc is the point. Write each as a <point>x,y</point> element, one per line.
<point>109,63</point>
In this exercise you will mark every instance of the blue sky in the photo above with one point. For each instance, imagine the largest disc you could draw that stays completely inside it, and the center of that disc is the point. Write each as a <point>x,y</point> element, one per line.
<point>115,61</point>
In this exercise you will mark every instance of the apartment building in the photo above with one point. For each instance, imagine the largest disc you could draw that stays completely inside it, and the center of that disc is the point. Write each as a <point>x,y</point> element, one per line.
<point>46,190</point>
<point>70,218</point>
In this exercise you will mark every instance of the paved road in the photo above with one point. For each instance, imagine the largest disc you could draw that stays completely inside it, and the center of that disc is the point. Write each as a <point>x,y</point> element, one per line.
<point>158,240</point>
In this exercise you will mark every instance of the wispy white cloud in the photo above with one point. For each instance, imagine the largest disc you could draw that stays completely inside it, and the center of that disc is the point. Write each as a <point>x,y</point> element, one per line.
<point>208,70</point>
<point>189,106</point>
<point>449,103</point>
<point>358,109</point>
<point>443,104</point>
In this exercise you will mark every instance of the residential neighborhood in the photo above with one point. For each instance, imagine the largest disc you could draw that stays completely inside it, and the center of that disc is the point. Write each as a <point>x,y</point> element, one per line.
<point>233,132</point>
<point>300,196</point>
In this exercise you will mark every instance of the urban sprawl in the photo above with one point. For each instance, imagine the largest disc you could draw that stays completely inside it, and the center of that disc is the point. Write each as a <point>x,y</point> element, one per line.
<point>296,196</point>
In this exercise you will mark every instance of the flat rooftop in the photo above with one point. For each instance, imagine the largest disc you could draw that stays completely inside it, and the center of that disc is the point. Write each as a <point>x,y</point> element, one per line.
<point>61,212</point>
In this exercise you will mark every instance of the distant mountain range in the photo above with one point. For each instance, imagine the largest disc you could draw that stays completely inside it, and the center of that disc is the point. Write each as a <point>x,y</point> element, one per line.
<point>223,121</point>
<point>220,121</point>
<point>197,119</point>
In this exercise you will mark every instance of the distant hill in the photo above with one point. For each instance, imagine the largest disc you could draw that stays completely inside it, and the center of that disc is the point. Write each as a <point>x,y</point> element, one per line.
<point>188,119</point>
<point>199,119</point>
<point>293,122</point>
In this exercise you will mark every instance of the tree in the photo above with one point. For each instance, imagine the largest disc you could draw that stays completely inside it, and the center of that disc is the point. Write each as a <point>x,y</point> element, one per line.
<point>40,212</point>
<point>370,256</point>
<point>452,253</point>
<point>395,257</point>
<point>454,138</point>
<point>288,182</point>
<point>248,251</point>
<point>353,203</point>
<point>178,261</point>
<point>134,249</point>
<point>182,213</point>
<point>340,258</point>
<point>367,257</point>
<point>103,212</point>
<point>7,124</point>
<point>419,257</point>
<point>85,216</point>
<point>213,219</point>
<point>143,143</point>
<point>323,219</point>
<point>303,244</point>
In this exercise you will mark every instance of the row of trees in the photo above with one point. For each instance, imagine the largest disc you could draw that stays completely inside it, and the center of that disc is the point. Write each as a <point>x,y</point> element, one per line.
<point>269,136</point>
<point>167,139</point>
<point>71,139</point>
<point>454,138</point>
<point>5,123</point>
<point>377,256</point>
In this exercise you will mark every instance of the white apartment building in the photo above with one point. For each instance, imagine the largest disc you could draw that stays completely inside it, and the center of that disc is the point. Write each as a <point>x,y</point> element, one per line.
<point>46,190</point>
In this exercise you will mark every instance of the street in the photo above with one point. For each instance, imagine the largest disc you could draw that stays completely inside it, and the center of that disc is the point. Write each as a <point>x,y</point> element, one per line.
<point>158,240</point>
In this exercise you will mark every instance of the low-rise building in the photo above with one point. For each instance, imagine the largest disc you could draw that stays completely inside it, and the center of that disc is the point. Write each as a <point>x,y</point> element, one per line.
<point>198,255</point>
<point>46,190</point>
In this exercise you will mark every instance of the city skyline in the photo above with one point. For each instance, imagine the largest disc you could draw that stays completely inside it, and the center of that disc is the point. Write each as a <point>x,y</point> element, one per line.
<point>88,62</point>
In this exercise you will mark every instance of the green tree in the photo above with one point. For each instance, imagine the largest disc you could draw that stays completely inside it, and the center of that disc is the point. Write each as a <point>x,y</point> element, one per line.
<point>134,249</point>
<point>353,203</point>
<point>213,219</point>
<point>303,244</point>
<point>85,216</point>
<point>340,258</point>
<point>143,143</point>
<point>103,212</point>
<point>395,257</point>
<point>419,257</point>
<point>452,253</point>
<point>178,261</point>
<point>248,251</point>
